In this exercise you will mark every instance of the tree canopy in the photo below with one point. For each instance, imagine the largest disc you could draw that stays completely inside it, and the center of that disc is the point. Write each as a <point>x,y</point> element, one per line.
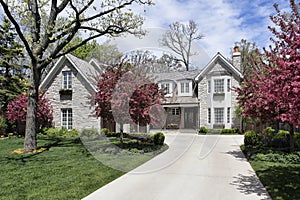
<point>46,27</point>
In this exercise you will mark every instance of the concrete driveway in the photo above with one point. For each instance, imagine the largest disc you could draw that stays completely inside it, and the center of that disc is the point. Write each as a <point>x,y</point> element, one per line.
<point>194,167</point>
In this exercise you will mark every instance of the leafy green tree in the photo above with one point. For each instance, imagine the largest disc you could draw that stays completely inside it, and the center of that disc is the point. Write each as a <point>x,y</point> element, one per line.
<point>105,53</point>
<point>83,51</point>
<point>12,77</point>
<point>46,27</point>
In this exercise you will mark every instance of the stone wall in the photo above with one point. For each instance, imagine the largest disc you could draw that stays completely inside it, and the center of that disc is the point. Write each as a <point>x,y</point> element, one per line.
<point>79,102</point>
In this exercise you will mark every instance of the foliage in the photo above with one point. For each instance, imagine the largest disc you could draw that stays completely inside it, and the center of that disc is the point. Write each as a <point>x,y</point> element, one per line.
<point>83,51</point>
<point>273,92</point>
<point>104,131</point>
<point>3,125</point>
<point>16,110</point>
<point>203,129</point>
<point>230,131</point>
<point>281,139</point>
<point>12,76</point>
<point>125,97</point>
<point>63,132</point>
<point>105,53</point>
<point>179,39</point>
<point>46,27</point>
<point>251,138</point>
<point>159,138</point>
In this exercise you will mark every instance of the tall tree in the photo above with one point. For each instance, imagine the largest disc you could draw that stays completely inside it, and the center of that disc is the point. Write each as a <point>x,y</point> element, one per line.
<point>179,39</point>
<point>46,27</point>
<point>274,92</point>
<point>250,56</point>
<point>106,53</point>
<point>12,77</point>
<point>83,51</point>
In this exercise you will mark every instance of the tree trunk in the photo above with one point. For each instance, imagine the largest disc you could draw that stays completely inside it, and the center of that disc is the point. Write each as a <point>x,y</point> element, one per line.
<point>292,142</point>
<point>121,135</point>
<point>30,142</point>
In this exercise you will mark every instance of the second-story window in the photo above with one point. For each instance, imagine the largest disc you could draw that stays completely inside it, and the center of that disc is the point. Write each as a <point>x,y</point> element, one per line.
<point>67,80</point>
<point>228,85</point>
<point>208,86</point>
<point>166,86</point>
<point>219,85</point>
<point>185,87</point>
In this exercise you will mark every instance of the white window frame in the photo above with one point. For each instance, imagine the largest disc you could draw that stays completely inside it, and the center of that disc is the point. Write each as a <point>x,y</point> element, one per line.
<point>185,88</point>
<point>219,85</point>
<point>67,79</point>
<point>219,115</point>
<point>167,86</point>
<point>67,118</point>
<point>175,111</point>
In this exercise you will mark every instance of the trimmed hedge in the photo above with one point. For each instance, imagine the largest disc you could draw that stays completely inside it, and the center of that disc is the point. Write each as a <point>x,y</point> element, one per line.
<point>159,138</point>
<point>203,130</point>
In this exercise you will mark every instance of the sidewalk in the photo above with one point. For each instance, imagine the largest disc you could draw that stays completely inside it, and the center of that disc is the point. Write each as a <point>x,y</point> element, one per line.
<point>194,167</point>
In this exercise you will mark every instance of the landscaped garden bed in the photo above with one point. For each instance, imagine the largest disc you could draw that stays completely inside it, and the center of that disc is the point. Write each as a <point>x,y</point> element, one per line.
<point>277,168</point>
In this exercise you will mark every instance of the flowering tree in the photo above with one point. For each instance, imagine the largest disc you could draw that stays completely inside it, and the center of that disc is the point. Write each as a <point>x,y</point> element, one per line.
<point>273,92</point>
<point>125,97</point>
<point>17,109</point>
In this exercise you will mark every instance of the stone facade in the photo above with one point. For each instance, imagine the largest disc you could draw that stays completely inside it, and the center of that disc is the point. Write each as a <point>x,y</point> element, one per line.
<point>219,69</point>
<point>78,100</point>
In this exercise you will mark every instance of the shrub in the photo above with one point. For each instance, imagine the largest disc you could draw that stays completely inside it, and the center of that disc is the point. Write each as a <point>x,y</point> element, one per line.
<point>230,131</point>
<point>112,134</point>
<point>281,139</point>
<point>203,130</point>
<point>158,138</point>
<point>104,131</point>
<point>252,139</point>
<point>297,140</point>
<point>54,132</point>
<point>267,136</point>
<point>3,125</point>
<point>90,132</point>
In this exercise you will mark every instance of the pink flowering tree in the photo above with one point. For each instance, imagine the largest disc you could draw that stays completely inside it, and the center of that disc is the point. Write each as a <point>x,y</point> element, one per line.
<point>126,97</point>
<point>273,92</point>
<point>17,109</point>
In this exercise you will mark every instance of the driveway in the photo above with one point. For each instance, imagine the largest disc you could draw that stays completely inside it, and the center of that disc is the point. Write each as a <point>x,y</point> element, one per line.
<point>194,167</point>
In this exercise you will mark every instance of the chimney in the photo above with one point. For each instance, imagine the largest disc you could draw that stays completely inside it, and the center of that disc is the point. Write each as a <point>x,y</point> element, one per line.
<point>236,58</point>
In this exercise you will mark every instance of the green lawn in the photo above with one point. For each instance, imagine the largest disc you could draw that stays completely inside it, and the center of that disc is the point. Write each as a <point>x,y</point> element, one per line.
<point>65,171</point>
<point>281,180</point>
<point>278,170</point>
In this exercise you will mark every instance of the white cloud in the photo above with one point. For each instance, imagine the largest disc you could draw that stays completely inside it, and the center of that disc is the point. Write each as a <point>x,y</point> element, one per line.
<point>223,22</point>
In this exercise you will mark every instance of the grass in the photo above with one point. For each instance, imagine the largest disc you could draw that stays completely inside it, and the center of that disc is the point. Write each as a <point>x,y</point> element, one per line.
<point>65,171</point>
<point>280,176</point>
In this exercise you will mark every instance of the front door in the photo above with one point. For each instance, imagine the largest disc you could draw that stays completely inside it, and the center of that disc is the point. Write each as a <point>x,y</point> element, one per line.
<point>190,118</point>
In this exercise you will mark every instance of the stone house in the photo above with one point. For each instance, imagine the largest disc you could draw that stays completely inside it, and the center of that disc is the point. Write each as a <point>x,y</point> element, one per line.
<point>194,98</point>
<point>69,86</point>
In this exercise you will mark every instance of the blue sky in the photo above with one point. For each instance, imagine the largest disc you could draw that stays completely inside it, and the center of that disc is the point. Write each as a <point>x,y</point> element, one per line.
<point>223,22</point>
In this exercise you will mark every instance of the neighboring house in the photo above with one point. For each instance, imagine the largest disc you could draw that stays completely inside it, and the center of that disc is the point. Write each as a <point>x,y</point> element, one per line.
<point>69,86</point>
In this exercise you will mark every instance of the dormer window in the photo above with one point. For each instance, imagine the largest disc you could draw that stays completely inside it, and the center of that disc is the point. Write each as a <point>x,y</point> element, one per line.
<point>185,87</point>
<point>67,80</point>
<point>167,86</point>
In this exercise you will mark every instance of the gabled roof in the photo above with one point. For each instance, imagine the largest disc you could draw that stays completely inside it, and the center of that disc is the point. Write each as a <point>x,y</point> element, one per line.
<point>86,70</point>
<point>219,58</point>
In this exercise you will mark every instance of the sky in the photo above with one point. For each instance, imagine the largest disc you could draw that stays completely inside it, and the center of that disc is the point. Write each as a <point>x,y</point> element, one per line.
<point>222,22</point>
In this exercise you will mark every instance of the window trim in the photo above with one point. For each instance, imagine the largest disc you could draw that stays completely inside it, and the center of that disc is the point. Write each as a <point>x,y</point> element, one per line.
<point>175,111</point>
<point>219,87</point>
<point>67,118</point>
<point>219,115</point>
<point>68,76</point>
<point>228,115</point>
